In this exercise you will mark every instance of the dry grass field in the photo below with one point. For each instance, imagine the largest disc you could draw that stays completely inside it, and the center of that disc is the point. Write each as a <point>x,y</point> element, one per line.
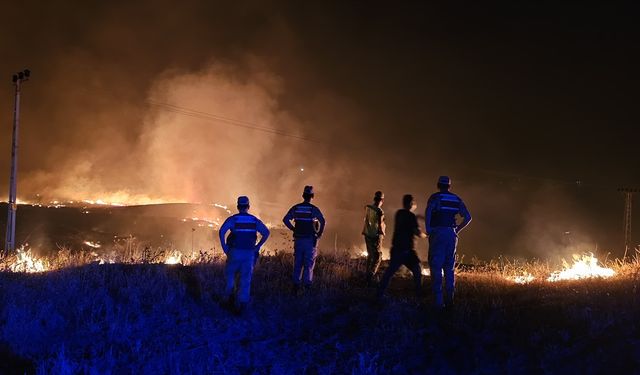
<point>86,317</point>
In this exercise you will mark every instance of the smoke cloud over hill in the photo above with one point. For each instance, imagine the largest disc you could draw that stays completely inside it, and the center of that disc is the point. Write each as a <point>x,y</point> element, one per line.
<point>149,102</point>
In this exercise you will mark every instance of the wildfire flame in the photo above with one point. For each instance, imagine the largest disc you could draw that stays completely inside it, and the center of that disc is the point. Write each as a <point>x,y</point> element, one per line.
<point>27,262</point>
<point>95,245</point>
<point>174,258</point>
<point>584,266</point>
<point>525,278</point>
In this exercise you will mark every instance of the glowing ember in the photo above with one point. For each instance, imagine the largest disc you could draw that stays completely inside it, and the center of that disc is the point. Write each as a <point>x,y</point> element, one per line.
<point>202,222</point>
<point>363,254</point>
<point>223,207</point>
<point>522,279</point>
<point>175,258</point>
<point>584,266</point>
<point>95,245</point>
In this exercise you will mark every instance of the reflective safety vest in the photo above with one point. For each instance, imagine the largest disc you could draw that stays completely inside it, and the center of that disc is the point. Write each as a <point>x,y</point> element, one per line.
<point>304,221</point>
<point>445,208</point>
<point>372,221</point>
<point>244,232</point>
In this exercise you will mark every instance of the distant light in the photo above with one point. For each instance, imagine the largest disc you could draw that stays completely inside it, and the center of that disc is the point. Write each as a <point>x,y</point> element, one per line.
<point>301,169</point>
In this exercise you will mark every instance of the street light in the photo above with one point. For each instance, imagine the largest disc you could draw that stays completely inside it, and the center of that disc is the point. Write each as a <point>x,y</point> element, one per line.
<point>10,239</point>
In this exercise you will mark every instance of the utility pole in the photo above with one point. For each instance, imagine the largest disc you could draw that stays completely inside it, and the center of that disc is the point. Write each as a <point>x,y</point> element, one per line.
<point>628,207</point>
<point>10,238</point>
<point>193,231</point>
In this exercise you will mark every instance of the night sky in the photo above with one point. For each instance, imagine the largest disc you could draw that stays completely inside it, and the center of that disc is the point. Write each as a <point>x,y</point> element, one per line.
<point>530,106</point>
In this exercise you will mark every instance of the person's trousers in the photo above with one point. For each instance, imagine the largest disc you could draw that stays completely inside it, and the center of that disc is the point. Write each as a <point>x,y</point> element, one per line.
<point>442,254</point>
<point>304,259</point>
<point>239,262</point>
<point>374,255</point>
<point>408,259</point>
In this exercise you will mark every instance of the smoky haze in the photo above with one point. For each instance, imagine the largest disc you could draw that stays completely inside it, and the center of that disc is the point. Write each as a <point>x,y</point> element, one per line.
<point>204,102</point>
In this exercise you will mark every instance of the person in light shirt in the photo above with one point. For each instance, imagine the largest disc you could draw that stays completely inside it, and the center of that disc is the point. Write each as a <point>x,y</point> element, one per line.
<point>373,232</point>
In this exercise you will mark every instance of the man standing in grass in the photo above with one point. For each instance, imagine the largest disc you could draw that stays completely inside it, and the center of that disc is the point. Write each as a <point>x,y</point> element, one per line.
<point>241,250</point>
<point>373,231</point>
<point>308,226</point>
<point>403,248</point>
<point>440,220</point>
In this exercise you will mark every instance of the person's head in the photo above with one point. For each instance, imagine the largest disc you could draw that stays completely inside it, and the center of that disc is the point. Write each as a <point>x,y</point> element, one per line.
<point>243,204</point>
<point>408,202</point>
<point>307,193</point>
<point>378,198</point>
<point>444,183</point>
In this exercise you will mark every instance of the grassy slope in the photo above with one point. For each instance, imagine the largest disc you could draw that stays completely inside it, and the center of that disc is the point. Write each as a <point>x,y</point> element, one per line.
<point>167,319</point>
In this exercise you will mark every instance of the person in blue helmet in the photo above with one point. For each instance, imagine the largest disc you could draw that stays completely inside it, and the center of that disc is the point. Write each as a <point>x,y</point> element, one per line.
<point>242,250</point>
<point>442,227</point>
<point>307,223</point>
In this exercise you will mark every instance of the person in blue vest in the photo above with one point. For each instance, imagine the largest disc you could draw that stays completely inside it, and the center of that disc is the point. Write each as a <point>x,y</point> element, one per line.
<point>403,248</point>
<point>442,228</point>
<point>373,232</point>
<point>241,250</point>
<point>307,223</point>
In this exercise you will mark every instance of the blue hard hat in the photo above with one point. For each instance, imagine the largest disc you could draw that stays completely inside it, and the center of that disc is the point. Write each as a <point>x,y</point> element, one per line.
<point>444,180</point>
<point>243,200</point>
<point>308,190</point>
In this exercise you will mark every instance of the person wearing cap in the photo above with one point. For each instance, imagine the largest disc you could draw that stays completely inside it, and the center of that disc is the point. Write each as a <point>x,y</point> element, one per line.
<point>441,225</point>
<point>373,232</point>
<point>241,250</point>
<point>403,248</point>
<point>307,223</point>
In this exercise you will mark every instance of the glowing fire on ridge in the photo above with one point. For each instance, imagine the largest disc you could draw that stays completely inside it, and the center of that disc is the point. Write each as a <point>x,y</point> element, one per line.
<point>112,199</point>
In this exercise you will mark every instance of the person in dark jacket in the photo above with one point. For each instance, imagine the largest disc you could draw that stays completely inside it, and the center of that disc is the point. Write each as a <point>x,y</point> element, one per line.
<point>241,250</point>
<point>373,232</point>
<point>403,245</point>
<point>307,224</point>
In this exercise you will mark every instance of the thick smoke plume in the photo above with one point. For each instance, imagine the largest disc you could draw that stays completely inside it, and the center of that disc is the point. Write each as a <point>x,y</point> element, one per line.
<point>152,102</point>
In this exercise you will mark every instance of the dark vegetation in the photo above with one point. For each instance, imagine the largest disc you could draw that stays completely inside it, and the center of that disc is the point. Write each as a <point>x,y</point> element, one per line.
<point>160,319</point>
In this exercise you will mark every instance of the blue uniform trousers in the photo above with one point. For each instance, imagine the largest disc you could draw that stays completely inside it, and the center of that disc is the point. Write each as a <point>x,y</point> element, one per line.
<point>304,259</point>
<point>239,262</point>
<point>442,254</point>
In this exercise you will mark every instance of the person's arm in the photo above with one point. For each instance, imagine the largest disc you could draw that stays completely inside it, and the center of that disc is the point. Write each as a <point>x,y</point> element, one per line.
<point>226,226</point>
<point>381,225</point>
<point>466,217</point>
<point>322,222</point>
<point>416,228</point>
<point>427,217</point>
<point>288,218</point>
<point>264,234</point>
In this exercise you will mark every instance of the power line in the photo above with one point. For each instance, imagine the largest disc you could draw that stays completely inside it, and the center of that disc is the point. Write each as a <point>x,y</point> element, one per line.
<point>234,122</point>
<point>257,127</point>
